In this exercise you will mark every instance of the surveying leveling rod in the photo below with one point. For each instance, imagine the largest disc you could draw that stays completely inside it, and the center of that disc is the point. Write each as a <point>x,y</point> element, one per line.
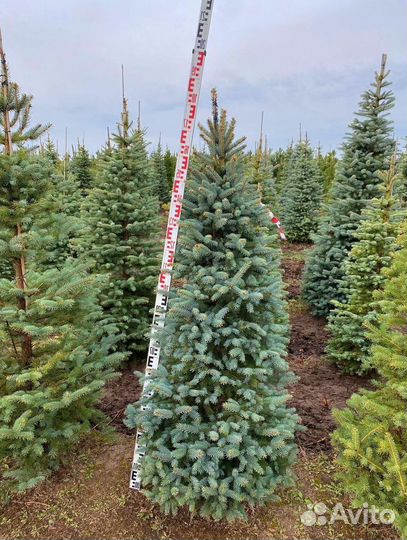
<point>181,169</point>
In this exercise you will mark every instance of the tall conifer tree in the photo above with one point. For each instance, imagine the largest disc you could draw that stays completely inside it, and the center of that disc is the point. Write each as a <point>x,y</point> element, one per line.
<point>327,164</point>
<point>279,161</point>
<point>218,434</point>
<point>15,132</point>
<point>372,431</point>
<point>366,152</point>
<point>349,346</point>
<point>301,199</point>
<point>401,187</point>
<point>122,235</point>
<point>260,174</point>
<point>170,161</point>
<point>81,167</point>
<point>160,175</point>
<point>53,363</point>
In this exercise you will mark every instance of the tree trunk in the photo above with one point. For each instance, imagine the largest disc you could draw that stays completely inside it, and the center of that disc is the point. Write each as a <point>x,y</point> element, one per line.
<point>20,264</point>
<point>20,273</point>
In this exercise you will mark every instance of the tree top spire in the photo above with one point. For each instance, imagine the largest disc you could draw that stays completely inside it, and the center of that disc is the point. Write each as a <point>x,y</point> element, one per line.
<point>15,109</point>
<point>215,108</point>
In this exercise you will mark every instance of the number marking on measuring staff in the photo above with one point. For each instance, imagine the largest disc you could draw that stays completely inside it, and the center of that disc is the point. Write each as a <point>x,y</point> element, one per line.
<point>171,237</point>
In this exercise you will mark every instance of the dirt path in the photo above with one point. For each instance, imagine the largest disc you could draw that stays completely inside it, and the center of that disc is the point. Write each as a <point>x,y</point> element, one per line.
<point>89,497</point>
<point>119,393</point>
<point>321,386</point>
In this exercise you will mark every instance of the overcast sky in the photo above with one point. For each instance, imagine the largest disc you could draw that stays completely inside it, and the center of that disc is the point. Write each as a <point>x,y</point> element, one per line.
<point>298,60</point>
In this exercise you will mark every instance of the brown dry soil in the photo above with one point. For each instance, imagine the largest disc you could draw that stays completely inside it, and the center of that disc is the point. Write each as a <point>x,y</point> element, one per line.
<point>119,393</point>
<point>321,386</point>
<point>89,498</point>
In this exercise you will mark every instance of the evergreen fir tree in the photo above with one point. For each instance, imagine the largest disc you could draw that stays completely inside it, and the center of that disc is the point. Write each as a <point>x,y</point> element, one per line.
<point>15,131</point>
<point>170,161</point>
<point>50,152</point>
<point>401,187</point>
<point>53,363</point>
<point>218,434</point>
<point>102,157</point>
<point>366,152</point>
<point>160,175</point>
<point>327,165</point>
<point>122,236</point>
<point>260,174</point>
<point>349,346</point>
<point>301,200</point>
<point>81,168</point>
<point>15,112</point>
<point>279,162</point>
<point>65,197</point>
<point>372,431</point>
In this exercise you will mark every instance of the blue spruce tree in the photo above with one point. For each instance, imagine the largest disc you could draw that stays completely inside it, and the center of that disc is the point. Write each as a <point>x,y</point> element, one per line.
<point>279,163</point>
<point>366,152</point>
<point>66,198</point>
<point>170,161</point>
<point>349,346</point>
<point>122,236</point>
<point>301,200</point>
<point>160,175</point>
<point>218,433</point>
<point>81,168</point>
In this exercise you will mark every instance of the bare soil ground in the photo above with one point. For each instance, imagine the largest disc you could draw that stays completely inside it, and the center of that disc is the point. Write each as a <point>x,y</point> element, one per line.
<point>119,393</point>
<point>319,389</point>
<point>321,386</point>
<point>89,498</point>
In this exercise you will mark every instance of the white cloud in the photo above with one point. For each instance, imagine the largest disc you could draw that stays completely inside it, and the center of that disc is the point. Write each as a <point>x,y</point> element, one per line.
<point>298,61</point>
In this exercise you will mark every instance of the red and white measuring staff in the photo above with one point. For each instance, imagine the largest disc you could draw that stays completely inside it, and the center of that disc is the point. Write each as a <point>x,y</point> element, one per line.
<point>274,219</point>
<point>181,169</point>
<point>277,223</point>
